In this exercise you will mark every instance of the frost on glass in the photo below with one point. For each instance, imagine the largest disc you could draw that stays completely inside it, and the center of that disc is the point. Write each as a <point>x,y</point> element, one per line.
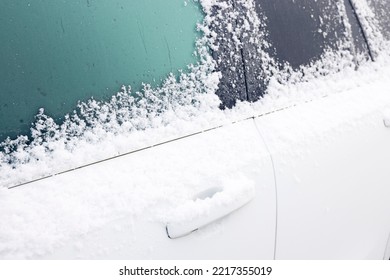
<point>321,39</point>
<point>381,9</point>
<point>55,53</point>
<point>255,41</point>
<point>95,121</point>
<point>237,61</point>
<point>371,26</point>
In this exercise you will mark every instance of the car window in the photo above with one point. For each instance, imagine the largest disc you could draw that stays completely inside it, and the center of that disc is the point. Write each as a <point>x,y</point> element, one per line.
<point>282,35</point>
<point>381,9</point>
<point>359,39</point>
<point>227,51</point>
<point>300,31</point>
<point>54,53</point>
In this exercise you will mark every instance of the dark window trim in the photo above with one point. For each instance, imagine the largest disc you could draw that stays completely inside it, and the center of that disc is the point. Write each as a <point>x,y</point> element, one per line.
<point>364,32</point>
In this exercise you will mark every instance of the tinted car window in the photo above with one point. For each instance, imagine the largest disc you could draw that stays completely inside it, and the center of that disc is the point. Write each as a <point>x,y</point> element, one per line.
<point>381,8</point>
<point>54,53</point>
<point>227,53</point>
<point>288,32</point>
<point>300,31</point>
<point>358,35</point>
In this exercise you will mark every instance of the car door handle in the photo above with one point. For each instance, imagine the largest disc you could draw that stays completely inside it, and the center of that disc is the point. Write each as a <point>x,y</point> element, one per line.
<point>386,122</point>
<point>386,118</point>
<point>206,208</point>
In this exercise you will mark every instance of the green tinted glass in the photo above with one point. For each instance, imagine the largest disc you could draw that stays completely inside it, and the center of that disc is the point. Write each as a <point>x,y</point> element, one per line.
<point>56,52</point>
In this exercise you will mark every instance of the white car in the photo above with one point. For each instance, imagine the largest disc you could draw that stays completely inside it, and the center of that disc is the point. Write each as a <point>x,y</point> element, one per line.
<point>275,146</point>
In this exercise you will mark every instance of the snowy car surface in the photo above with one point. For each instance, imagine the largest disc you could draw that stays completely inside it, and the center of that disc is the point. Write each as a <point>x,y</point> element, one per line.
<point>275,145</point>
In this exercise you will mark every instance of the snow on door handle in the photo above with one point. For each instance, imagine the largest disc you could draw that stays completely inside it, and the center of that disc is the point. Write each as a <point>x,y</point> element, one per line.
<point>206,208</point>
<point>386,118</point>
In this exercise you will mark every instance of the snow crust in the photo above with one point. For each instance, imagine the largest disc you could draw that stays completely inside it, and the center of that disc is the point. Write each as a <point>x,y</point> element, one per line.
<point>129,121</point>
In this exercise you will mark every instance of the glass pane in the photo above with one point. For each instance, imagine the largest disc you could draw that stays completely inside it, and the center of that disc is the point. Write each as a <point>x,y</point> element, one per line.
<point>357,32</point>
<point>303,39</point>
<point>225,23</point>
<point>54,53</point>
<point>381,8</point>
<point>300,31</point>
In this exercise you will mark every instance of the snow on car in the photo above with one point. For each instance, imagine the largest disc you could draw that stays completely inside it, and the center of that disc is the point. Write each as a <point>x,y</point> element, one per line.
<point>273,145</point>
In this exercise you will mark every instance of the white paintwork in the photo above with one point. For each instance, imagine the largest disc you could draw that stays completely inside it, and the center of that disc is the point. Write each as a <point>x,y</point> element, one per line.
<point>234,151</point>
<point>387,252</point>
<point>332,178</point>
<point>332,175</point>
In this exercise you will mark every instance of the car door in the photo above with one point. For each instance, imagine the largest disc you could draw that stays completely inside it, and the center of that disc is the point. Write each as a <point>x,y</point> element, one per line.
<point>330,155</point>
<point>145,205</point>
<point>332,177</point>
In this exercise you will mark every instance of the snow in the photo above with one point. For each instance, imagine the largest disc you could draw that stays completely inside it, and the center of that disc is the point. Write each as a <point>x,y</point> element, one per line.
<point>178,108</point>
<point>146,186</point>
<point>39,217</point>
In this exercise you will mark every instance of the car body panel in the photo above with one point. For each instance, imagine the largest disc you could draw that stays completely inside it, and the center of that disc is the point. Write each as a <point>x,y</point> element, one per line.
<point>314,161</point>
<point>123,211</point>
<point>332,175</point>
